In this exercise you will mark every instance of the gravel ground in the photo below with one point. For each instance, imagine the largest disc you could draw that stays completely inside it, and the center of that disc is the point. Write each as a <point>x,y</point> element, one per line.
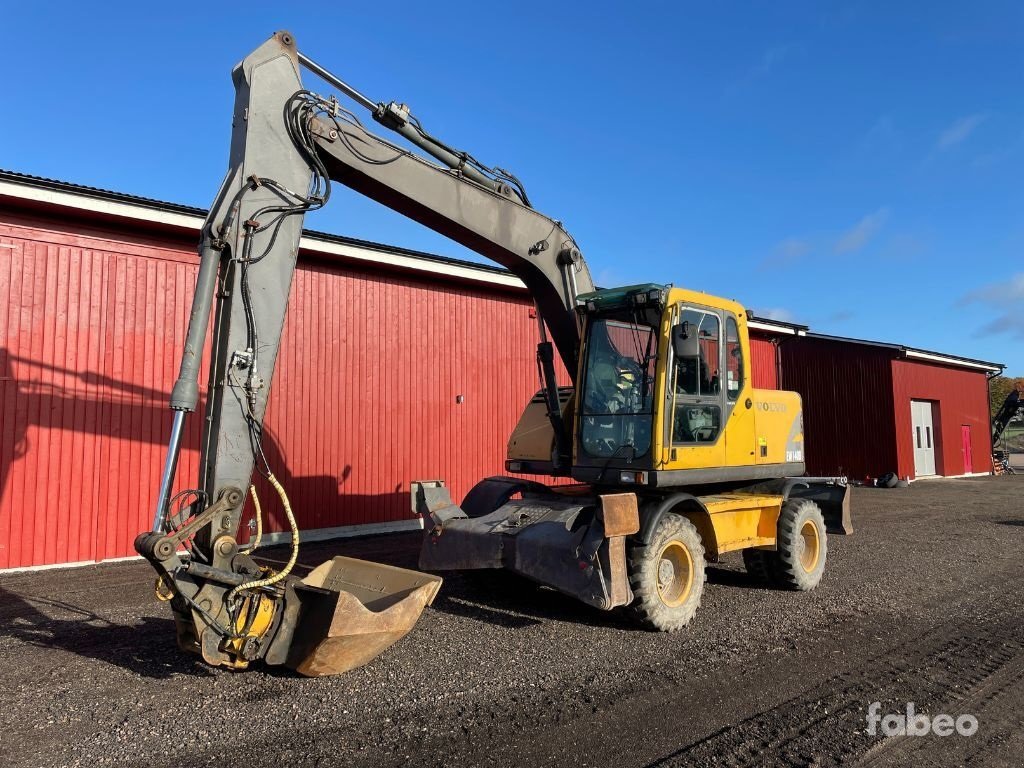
<point>923,603</point>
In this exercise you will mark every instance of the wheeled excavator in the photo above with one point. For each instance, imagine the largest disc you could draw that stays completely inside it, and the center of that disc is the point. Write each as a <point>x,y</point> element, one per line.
<point>663,454</point>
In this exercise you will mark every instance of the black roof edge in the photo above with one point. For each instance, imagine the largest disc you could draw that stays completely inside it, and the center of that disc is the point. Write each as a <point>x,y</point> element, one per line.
<point>96,192</point>
<point>57,185</point>
<point>903,349</point>
<point>782,323</point>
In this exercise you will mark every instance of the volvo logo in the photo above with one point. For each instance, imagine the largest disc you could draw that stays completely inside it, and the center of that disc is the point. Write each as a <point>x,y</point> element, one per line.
<point>775,407</point>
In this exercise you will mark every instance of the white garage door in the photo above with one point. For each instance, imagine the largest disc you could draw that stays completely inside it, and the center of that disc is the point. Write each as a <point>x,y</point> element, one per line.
<point>923,437</point>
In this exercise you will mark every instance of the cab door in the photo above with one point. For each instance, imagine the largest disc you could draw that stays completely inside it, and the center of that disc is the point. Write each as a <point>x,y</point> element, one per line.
<point>696,392</point>
<point>740,441</point>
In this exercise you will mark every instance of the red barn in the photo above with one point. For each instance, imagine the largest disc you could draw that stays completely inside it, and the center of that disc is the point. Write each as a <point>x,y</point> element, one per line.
<point>871,407</point>
<point>394,365</point>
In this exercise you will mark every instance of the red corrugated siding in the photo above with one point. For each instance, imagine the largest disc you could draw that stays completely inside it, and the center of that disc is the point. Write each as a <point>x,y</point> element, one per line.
<point>364,398</point>
<point>84,332</point>
<point>847,404</point>
<point>962,397</point>
<point>764,366</point>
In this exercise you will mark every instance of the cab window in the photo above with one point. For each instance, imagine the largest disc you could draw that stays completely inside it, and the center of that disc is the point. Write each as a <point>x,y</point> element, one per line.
<point>697,417</point>
<point>699,375</point>
<point>733,360</point>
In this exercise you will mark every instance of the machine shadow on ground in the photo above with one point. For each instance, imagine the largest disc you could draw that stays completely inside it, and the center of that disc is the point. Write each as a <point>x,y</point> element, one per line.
<point>147,649</point>
<point>734,578</point>
<point>508,600</point>
<point>496,597</point>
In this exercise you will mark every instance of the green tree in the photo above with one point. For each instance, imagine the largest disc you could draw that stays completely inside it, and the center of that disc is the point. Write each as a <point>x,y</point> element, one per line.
<point>1001,386</point>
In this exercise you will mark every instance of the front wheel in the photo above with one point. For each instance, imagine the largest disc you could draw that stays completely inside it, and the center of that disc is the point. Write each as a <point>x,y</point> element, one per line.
<point>801,547</point>
<point>667,575</point>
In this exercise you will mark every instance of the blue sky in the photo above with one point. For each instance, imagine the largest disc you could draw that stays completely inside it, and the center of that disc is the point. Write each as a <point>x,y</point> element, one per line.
<point>856,167</point>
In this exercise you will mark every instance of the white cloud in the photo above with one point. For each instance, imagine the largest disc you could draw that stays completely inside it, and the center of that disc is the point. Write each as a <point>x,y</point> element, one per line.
<point>882,135</point>
<point>790,250</point>
<point>861,233</point>
<point>1005,300</point>
<point>1002,294</point>
<point>777,313</point>
<point>1011,323</point>
<point>608,277</point>
<point>841,316</point>
<point>959,131</point>
<point>774,55</point>
<point>793,248</point>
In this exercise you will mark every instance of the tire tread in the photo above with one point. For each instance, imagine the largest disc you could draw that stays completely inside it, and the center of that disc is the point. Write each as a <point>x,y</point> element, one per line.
<point>647,607</point>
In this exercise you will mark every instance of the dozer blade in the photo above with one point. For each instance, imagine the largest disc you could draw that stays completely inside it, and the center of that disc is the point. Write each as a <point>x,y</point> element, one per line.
<point>834,500</point>
<point>831,494</point>
<point>348,611</point>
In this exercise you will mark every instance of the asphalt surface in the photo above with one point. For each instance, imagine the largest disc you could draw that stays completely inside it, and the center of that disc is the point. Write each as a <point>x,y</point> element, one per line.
<point>922,604</point>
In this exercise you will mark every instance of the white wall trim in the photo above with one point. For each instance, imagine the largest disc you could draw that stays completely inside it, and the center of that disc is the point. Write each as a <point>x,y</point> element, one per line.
<point>949,477</point>
<point>407,262</point>
<point>310,244</point>
<point>30,568</point>
<point>99,205</point>
<point>762,325</point>
<point>931,357</point>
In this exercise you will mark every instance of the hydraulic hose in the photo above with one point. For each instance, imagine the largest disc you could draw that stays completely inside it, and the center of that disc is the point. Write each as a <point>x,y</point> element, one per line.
<point>259,523</point>
<point>276,577</point>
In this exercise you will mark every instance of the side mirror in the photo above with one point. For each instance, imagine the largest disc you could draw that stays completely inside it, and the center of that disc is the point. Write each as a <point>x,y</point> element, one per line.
<point>685,342</point>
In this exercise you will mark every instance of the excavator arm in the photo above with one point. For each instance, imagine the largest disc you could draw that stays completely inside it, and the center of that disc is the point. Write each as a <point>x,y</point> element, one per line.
<point>288,144</point>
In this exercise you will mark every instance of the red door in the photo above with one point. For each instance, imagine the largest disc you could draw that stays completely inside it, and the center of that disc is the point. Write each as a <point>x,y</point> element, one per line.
<point>965,448</point>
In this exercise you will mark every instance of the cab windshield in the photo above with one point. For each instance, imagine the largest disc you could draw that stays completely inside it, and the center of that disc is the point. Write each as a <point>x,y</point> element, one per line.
<point>618,388</point>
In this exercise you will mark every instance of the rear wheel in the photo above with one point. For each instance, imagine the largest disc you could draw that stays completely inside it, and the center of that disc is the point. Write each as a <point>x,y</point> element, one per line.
<point>760,564</point>
<point>667,575</point>
<point>802,546</point>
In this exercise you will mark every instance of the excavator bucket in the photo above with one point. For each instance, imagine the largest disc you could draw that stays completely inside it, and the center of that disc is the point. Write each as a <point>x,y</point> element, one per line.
<point>348,611</point>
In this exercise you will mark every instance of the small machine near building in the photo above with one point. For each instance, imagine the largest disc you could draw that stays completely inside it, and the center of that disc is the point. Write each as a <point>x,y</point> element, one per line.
<point>871,408</point>
<point>1011,409</point>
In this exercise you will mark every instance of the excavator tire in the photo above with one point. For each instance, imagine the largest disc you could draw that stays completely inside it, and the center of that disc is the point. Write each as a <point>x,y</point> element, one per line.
<point>760,564</point>
<point>802,547</point>
<point>667,575</point>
